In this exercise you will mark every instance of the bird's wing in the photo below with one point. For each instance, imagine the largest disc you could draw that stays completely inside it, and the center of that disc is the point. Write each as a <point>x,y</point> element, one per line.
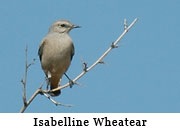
<point>72,51</point>
<point>40,51</point>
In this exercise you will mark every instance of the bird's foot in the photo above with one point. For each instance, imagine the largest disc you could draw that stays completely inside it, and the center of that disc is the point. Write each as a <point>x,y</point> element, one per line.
<point>71,82</point>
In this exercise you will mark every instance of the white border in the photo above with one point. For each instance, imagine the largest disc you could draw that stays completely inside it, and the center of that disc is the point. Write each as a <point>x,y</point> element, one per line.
<point>157,124</point>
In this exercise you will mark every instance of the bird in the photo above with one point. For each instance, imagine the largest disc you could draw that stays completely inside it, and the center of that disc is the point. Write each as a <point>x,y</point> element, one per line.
<point>55,52</point>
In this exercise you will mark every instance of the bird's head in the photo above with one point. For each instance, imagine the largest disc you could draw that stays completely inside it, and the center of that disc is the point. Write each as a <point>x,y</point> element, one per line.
<point>62,26</point>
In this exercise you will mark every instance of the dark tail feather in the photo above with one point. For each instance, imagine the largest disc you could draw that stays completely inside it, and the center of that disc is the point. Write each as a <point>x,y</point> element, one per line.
<point>55,93</point>
<point>54,83</point>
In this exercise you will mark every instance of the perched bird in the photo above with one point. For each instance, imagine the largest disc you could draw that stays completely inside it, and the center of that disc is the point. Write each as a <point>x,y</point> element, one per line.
<point>56,52</point>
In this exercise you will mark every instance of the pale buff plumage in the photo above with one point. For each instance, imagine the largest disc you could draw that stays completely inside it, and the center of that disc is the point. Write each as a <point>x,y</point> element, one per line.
<point>56,51</point>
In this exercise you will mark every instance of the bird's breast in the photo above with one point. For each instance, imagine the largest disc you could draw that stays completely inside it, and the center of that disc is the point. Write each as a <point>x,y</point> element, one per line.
<point>57,53</point>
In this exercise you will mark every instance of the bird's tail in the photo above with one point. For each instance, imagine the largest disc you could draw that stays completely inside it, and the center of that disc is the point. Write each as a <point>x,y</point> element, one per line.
<point>55,93</point>
<point>54,84</point>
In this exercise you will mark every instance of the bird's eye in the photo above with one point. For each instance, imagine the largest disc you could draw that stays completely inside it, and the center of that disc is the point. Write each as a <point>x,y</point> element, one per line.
<point>62,25</point>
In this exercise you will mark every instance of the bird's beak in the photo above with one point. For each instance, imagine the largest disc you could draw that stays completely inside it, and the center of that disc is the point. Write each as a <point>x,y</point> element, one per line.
<point>76,26</point>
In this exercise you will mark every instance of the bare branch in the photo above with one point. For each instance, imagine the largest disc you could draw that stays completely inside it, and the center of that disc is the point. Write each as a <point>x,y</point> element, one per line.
<point>24,80</point>
<point>55,102</point>
<point>38,91</point>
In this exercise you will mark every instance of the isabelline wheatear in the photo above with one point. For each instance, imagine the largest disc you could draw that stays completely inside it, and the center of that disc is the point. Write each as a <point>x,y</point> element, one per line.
<point>56,52</point>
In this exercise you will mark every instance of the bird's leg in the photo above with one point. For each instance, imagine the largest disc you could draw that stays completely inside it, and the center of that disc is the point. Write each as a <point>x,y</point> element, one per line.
<point>48,83</point>
<point>71,82</point>
<point>48,80</point>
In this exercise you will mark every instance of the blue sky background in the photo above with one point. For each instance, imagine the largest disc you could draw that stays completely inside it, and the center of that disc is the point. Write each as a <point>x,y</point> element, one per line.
<point>142,75</point>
